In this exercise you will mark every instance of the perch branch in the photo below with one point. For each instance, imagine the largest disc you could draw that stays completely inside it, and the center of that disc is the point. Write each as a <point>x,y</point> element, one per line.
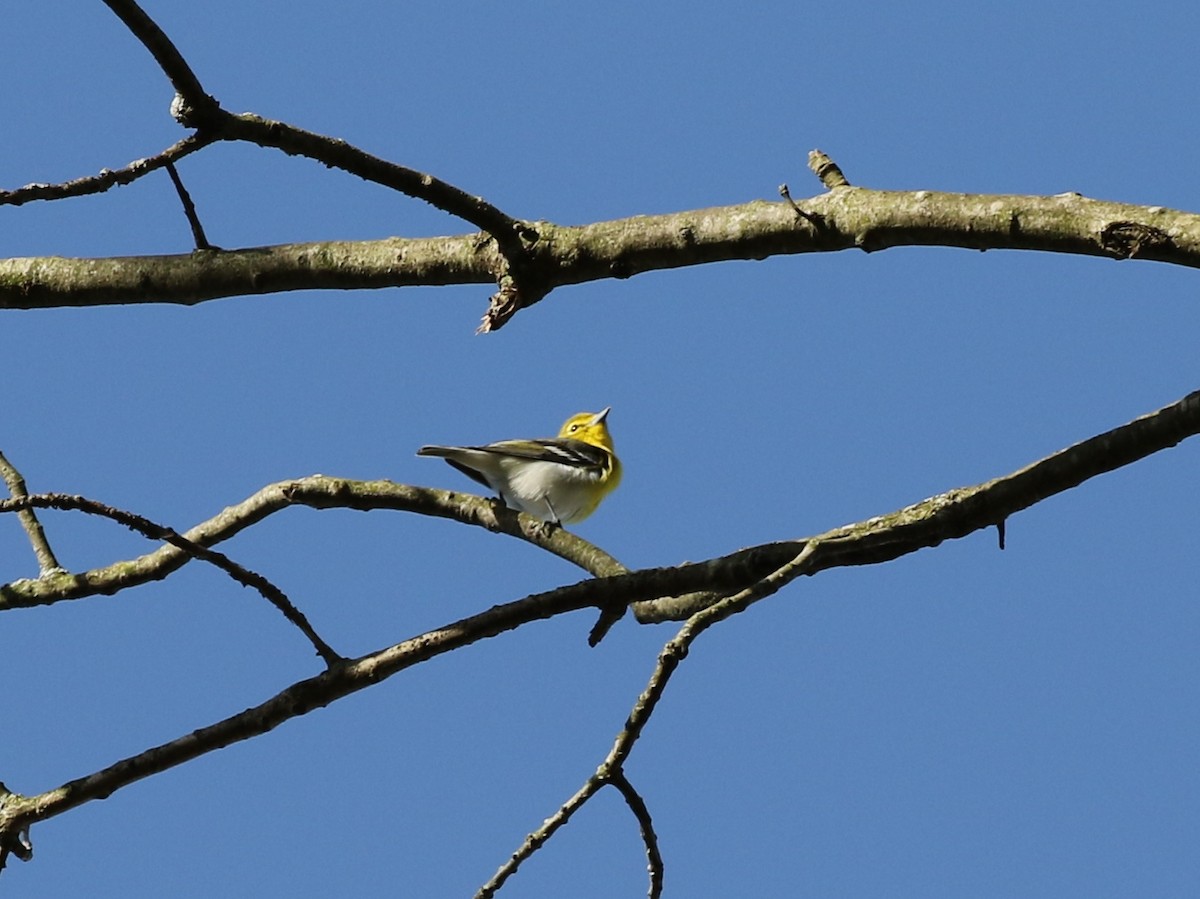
<point>947,516</point>
<point>317,492</point>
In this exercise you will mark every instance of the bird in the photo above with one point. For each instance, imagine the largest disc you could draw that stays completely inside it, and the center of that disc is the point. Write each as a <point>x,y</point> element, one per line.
<point>560,480</point>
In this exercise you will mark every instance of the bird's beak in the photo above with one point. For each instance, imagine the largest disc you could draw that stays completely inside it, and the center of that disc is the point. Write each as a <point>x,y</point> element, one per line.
<point>601,415</point>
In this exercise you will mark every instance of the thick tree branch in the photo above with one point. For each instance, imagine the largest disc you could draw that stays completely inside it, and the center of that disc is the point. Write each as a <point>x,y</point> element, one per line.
<point>851,217</point>
<point>520,284</point>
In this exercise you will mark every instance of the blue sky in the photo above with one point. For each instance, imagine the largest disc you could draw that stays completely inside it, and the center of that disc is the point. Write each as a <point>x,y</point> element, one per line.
<point>963,721</point>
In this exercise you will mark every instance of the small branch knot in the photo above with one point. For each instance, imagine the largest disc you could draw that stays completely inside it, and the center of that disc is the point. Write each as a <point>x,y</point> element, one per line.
<point>1125,240</point>
<point>189,115</point>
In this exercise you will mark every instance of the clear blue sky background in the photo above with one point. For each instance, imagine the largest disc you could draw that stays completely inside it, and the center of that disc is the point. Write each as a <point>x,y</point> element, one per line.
<point>962,722</point>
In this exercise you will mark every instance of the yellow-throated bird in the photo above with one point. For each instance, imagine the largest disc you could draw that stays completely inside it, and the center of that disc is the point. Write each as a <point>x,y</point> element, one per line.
<point>560,479</point>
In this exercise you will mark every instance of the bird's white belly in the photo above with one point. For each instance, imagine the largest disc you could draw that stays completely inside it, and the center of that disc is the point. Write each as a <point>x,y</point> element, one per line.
<point>549,489</point>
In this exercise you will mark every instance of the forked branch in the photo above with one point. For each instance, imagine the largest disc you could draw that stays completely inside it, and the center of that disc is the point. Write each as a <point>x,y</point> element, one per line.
<point>748,575</point>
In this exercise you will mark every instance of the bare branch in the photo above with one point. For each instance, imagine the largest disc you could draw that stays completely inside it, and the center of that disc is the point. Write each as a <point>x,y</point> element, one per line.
<point>15,841</point>
<point>338,154</point>
<point>668,660</point>
<point>300,698</point>
<point>155,531</point>
<point>852,217</point>
<point>637,805</point>
<point>765,568</point>
<point>947,516</point>
<point>196,109</point>
<point>317,492</point>
<point>189,210</point>
<point>197,103</point>
<point>519,284</point>
<point>94,184</point>
<point>538,838</point>
<point>47,562</point>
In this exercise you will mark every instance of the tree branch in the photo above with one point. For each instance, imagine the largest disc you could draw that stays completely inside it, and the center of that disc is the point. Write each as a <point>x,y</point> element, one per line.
<point>947,516</point>
<point>189,210</point>
<point>637,805</point>
<point>851,217</point>
<point>94,184</point>
<point>316,492</point>
<point>47,561</point>
<point>191,94</point>
<point>612,768</point>
<point>764,568</point>
<point>154,531</point>
<point>194,108</point>
<point>18,812</point>
<point>338,154</point>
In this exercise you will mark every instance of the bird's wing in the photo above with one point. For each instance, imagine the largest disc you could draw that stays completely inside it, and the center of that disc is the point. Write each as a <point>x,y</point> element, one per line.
<point>573,453</point>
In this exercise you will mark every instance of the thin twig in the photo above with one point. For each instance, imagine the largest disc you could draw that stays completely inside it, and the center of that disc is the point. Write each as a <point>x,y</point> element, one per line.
<point>534,841</point>
<point>189,210</point>
<point>107,178</point>
<point>677,647</point>
<point>669,658</point>
<point>817,223</point>
<point>47,562</point>
<point>156,531</point>
<point>637,805</point>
